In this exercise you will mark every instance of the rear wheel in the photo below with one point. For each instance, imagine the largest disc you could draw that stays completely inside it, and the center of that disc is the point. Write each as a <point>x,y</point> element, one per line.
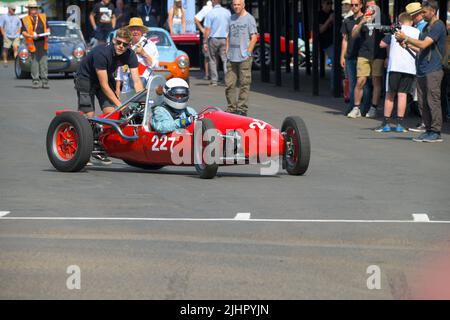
<point>69,142</point>
<point>297,147</point>
<point>257,56</point>
<point>20,74</point>
<point>142,166</point>
<point>206,168</point>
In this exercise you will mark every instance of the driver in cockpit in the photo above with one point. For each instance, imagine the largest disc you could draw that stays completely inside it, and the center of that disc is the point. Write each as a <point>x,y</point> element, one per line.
<point>173,113</point>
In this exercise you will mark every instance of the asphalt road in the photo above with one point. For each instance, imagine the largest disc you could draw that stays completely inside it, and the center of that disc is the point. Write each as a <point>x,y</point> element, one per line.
<point>304,244</point>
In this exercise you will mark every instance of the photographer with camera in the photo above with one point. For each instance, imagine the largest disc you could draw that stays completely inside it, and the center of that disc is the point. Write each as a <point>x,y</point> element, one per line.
<point>371,57</point>
<point>401,73</point>
<point>431,60</point>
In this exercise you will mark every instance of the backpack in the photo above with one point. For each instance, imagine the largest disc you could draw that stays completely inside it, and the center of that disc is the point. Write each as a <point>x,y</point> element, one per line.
<point>444,56</point>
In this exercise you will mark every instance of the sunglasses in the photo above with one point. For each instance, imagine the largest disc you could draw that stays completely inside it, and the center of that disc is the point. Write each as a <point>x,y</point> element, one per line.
<point>355,5</point>
<point>124,44</point>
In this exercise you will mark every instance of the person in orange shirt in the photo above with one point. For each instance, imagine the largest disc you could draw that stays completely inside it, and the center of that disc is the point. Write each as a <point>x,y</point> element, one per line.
<point>36,31</point>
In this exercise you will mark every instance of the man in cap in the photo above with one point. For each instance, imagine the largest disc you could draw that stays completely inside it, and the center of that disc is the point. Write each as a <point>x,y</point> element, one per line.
<point>431,49</point>
<point>10,27</point>
<point>346,9</point>
<point>414,9</point>
<point>147,55</point>
<point>36,31</point>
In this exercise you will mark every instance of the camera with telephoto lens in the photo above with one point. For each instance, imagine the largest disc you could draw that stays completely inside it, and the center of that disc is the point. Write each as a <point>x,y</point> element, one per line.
<point>391,29</point>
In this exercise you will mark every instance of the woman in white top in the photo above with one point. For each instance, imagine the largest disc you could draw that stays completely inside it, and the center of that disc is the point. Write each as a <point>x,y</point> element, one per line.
<point>177,18</point>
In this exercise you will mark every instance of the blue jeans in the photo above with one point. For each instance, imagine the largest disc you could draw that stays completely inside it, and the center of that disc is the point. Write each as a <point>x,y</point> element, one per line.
<point>350,69</point>
<point>329,52</point>
<point>177,28</point>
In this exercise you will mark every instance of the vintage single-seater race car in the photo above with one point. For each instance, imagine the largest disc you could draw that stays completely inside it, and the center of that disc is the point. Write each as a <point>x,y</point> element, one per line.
<point>214,139</point>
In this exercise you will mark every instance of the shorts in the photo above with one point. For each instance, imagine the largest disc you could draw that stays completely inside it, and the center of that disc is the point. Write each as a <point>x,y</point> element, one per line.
<point>86,96</point>
<point>9,42</point>
<point>398,82</point>
<point>367,68</point>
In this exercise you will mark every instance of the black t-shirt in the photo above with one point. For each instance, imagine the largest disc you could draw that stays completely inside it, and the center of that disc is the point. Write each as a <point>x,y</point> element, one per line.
<point>326,38</point>
<point>103,57</point>
<point>103,15</point>
<point>149,14</point>
<point>122,16</point>
<point>370,44</point>
<point>353,45</point>
<point>39,42</point>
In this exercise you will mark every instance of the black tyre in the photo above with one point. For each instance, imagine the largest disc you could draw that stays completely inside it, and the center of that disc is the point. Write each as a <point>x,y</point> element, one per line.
<point>257,56</point>
<point>143,166</point>
<point>205,169</point>
<point>297,147</point>
<point>69,142</point>
<point>20,74</point>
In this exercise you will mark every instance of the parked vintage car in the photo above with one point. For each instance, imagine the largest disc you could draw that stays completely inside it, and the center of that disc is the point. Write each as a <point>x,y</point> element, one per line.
<point>66,48</point>
<point>267,52</point>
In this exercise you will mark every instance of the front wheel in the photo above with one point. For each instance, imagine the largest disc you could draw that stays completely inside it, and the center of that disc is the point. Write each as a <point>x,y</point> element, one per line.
<point>204,163</point>
<point>297,147</point>
<point>20,74</point>
<point>69,142</point>
<point>257,56</point>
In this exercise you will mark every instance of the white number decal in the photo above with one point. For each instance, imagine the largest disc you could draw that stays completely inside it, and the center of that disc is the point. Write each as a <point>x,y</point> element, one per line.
<point>258,123</point>
<point>155,141</point>
<point>162,147</point>
<point>159,144</point>
<point>172,140</point>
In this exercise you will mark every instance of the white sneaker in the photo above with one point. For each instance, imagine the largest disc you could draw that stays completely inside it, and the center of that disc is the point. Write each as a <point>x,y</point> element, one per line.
<point>101,159</point>
<point>355,113</point>
<point>372,113</point>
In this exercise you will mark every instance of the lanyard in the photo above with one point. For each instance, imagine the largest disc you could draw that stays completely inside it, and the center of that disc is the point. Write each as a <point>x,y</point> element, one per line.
<point>147,10</point>
<point>36,24</point>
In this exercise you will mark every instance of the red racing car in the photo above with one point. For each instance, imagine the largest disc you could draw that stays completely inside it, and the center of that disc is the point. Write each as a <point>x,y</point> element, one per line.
<point>214,139</point>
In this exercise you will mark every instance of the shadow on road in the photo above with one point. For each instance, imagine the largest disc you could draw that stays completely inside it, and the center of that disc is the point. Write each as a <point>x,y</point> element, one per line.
<point>192,174</point>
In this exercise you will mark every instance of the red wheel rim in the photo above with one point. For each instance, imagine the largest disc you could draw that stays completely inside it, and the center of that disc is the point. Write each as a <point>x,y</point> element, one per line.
<point>292,146</point>
<point>65,141</point>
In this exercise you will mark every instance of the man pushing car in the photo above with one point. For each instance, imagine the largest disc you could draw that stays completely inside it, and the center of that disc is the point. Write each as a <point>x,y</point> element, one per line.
<point>95,76</point>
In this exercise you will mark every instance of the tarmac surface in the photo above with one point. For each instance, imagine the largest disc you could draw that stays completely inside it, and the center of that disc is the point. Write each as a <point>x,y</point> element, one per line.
<point>167,234</point>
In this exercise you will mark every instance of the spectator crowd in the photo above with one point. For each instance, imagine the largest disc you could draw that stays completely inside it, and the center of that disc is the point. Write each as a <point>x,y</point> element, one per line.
<point>403,62</point>
<point>404,65</point>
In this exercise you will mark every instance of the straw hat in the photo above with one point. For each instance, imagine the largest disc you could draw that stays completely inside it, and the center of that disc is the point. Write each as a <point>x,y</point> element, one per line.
<point>32,4</point>
<point>137,22</point>
<point>413,8</point>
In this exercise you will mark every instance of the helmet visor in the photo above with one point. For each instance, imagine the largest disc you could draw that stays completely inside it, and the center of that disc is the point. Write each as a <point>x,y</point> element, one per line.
<point>178,94</point>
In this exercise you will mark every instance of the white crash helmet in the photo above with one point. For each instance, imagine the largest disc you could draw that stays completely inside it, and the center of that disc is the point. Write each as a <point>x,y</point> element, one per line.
<point>176,93</point>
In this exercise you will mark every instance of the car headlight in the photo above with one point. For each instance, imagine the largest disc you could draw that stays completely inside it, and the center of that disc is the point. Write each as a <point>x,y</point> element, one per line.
<point>23,54</point>
<point>78,53</point>
<point>183,62</point>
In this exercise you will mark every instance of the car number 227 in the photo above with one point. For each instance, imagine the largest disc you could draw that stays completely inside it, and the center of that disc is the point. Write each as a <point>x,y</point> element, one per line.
<point>160,143</point>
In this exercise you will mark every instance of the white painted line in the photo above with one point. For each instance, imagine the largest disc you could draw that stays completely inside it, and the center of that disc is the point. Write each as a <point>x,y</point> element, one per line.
<point>242,216</point>
<point>420,217</point>
<point>215,220</point>
<point>4,213</point>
